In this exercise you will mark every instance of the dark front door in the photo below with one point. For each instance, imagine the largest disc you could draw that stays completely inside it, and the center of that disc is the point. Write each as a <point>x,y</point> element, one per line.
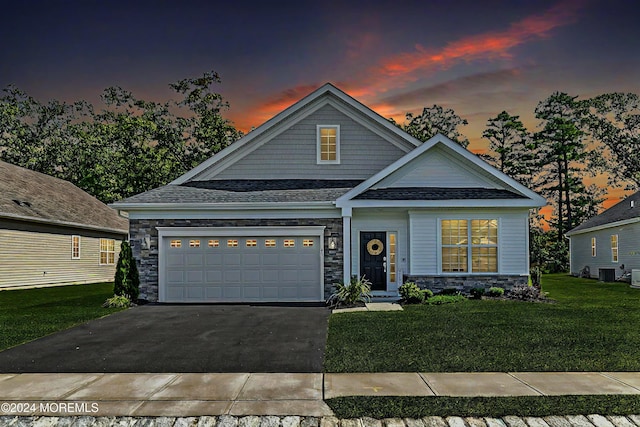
<point>373,258</point>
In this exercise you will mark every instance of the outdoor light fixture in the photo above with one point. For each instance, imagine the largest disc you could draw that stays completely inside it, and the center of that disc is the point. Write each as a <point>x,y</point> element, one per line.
<point>333,243</point>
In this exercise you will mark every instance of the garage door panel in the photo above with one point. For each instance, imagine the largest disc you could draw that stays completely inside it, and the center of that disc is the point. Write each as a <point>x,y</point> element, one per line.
<point>213,293</point>
<point>232,276</point>
<point>213,260</point>
<point>194,276</point>
<point>251,276</point>
<point>264,270</point>
<point>232,259</point>
<point>195,293</point>
<point>194,260</point>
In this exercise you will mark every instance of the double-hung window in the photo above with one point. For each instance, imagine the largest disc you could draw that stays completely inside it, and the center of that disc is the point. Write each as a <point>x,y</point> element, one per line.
<point>107,251</point>
<point>469,245</point>
<point>328,137</point>
<point>614,248</point>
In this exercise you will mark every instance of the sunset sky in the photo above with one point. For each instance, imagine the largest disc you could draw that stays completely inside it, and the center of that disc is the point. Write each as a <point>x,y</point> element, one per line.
<point>476,57</point>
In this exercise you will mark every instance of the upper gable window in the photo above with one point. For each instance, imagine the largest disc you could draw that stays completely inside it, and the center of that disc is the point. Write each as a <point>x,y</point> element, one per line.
<point>328,144</point>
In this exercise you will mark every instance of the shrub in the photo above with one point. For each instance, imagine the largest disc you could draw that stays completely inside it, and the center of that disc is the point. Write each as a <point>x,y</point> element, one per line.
<point>117,301</point>
<point>495,292</point>
<point>536,277</point>
<point>358,290</point>
<point>525,293</point>
<point>477,293</point>
<point>428,293</point>
<point>445,299</point>
<point>411,293</point>
<point>127,280</point>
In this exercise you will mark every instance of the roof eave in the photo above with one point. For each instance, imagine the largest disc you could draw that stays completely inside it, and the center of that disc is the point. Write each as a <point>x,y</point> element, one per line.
<point>456,203</point>
<point>603,226</point>
<point>221,206</point>
<point>63,223</point>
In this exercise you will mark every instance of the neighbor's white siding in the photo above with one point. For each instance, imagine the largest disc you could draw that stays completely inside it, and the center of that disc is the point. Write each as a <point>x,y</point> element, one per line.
<point>292,154</point>
<point>31,258</point>
<point>424,244</point>
<point>628,250</point>
<point>391,221</point>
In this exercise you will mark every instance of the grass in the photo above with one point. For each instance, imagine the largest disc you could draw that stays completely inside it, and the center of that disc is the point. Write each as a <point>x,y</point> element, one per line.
<point>33,313</point>
<point>591,326</point>
<point>525,406</point>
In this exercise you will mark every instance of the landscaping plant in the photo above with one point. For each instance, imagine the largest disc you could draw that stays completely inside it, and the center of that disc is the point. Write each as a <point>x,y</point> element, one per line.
<point>495,292</point>
<point>411,293</point>
<point>127,281</point>
<point>357,290</point>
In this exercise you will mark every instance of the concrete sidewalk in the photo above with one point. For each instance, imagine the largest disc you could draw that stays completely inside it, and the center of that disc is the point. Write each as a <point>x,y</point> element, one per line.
<point>183,395</point>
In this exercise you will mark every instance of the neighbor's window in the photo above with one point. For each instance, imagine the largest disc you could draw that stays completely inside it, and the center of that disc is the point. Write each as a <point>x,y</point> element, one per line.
<point>469,245</point>
<point>614,248</point>
<point>328,144</point>
<point>75,247</point>
<point>175,243</point>
<point>593,246</point>
<point>107,251</point>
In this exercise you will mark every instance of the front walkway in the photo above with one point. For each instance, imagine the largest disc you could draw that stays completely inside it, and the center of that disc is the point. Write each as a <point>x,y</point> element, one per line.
<point>275,394</point>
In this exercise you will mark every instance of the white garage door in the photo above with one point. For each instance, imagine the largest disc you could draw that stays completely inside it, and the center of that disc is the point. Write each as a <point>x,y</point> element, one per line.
<point>214,268</point>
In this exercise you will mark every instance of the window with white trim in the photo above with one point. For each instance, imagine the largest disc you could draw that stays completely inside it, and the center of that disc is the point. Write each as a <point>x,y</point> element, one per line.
<point>469,245</point>
<point>328,137</point>
<point>614,248</point>
<point>75,247</point>
<point>593,246</point>
<point>107,251</point>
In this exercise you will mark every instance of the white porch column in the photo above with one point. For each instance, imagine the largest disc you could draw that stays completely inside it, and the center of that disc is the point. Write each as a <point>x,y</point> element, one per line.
<point>346,244</point>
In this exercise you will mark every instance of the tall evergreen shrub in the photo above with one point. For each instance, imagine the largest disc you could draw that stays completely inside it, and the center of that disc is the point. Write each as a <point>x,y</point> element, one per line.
<point>127,280</point>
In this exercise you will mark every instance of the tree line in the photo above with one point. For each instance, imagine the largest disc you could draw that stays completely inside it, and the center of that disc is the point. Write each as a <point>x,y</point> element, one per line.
<point>129,145</point>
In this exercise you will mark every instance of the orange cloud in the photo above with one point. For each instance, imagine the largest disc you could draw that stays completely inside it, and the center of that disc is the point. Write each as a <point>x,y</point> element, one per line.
<point>397,71</point>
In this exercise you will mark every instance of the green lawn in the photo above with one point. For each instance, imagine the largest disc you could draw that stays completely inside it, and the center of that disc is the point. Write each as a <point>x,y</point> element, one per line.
<point>591,327</point>
<point>29,314</point>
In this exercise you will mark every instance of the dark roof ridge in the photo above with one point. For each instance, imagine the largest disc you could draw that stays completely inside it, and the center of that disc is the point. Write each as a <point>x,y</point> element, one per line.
<point>246,185</point>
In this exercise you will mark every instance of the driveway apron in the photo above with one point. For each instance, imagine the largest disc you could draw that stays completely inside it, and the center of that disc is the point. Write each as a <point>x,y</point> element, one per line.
<point>184,338</point>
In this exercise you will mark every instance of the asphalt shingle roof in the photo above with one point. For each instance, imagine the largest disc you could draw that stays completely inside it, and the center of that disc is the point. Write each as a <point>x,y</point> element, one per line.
<point>247,191</point>
<point>618,212</point>
<point>437,193</point>
<point>32,195</point>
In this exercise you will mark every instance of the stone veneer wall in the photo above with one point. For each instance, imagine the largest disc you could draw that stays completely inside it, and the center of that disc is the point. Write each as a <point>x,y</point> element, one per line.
<point>466,283</point>
<point>142,231</point>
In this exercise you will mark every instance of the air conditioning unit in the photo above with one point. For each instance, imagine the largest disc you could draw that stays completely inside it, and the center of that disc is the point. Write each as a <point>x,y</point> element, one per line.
<point>635,278</point>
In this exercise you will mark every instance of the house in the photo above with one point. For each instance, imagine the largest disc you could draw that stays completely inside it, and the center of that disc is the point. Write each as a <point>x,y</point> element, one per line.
<point>325,190</point>
<point>52,232</point>
<point>607,245</point>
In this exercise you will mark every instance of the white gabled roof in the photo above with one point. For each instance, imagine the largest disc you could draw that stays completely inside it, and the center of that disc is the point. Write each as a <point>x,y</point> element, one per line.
<point>530,198</point>
<point>284,120</point>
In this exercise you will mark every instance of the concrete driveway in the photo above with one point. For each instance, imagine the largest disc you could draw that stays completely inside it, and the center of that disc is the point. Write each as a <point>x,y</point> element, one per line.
<point>183,338</point>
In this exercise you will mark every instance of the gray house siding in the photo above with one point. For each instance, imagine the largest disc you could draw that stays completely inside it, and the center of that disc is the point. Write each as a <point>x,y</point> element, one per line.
<point>628,250</point>
<point>292,154</point>
<point>145,230</point>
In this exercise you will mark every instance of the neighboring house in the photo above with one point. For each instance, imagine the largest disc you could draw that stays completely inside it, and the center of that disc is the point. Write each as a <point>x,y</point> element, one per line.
<point>325,190</point>
<point>52,232</point>
<point>608,244</point>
